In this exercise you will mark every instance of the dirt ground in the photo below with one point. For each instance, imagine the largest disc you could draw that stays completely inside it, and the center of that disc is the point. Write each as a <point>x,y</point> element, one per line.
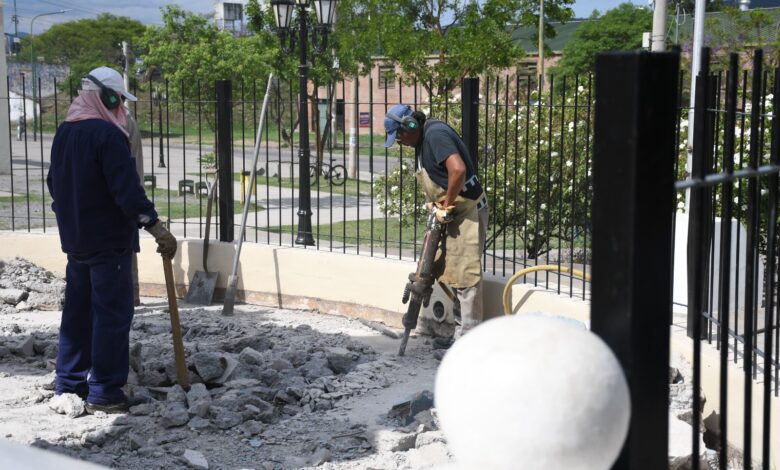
<point>272,389</point>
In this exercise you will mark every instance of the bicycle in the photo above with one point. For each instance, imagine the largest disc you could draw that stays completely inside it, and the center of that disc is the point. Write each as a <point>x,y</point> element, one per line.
<point>335,173</point>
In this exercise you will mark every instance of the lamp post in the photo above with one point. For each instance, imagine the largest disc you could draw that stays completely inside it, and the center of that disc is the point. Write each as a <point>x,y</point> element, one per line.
<point>158,97</point>
<point>283,10</point>
<point>32,64</point>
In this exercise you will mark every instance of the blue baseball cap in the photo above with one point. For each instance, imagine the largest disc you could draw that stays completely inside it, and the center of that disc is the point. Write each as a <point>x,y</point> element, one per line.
<point>398,111</point>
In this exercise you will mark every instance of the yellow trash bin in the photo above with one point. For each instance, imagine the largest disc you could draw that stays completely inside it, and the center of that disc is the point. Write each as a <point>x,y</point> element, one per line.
<point>245,176</point>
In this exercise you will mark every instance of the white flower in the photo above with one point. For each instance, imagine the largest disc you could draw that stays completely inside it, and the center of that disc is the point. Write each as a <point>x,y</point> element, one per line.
<point>571,126</point>
<point>394,189</point>
<point>554,154</point>
<point>580,88</point>
<point>684,123</point>
<point>569,163</point>
<point>543,206</point>
<point>681,205</point>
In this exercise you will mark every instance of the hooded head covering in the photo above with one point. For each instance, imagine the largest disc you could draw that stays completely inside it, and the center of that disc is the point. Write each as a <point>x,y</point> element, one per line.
<point>89,106</point>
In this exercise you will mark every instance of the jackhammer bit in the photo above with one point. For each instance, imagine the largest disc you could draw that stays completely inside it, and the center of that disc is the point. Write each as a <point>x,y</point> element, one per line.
<point>420,286</point>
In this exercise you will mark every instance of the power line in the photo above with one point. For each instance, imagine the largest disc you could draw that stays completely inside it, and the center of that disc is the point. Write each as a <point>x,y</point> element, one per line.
<point>72,7</point>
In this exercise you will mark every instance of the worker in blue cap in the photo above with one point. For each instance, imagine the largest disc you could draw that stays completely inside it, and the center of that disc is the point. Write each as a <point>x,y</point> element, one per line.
<point>446,173</point>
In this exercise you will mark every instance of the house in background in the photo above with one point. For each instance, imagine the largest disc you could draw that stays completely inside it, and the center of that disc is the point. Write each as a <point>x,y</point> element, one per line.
<point>230,15</point>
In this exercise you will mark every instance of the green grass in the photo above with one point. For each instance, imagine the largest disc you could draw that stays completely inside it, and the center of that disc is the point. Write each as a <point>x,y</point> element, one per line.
<point>22,198</point>
<point>195,206</point>
<point>361,233</point>
<point>350,187</point>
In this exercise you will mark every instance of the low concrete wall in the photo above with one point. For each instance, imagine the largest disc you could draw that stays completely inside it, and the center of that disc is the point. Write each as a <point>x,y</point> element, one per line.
<point>343,284</point>
<point>369,288</point>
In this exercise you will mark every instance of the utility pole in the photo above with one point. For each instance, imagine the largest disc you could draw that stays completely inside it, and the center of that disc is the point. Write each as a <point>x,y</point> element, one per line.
<point>540,66</point>
<point>5,137</point>
<point>354,130</point>
<point>658,38</point>
<point>125,66</point>
<point>698,35</point>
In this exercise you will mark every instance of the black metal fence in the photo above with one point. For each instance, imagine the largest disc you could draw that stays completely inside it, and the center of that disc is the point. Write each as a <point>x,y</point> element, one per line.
<point>731,255</point>
<point>533,155</point>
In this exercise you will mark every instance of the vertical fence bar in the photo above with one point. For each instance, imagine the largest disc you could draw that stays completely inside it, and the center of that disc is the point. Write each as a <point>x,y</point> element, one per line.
<point>200,160</point>
<point>469,124</point>
<point>561,180</point>
<point>183,151</point>
<point>724,288</point>
<point>588,178</point>
<point>26,153</point>
<point>574,218</point>
<point>631,291</point>
<point>751,256</point>
<point>225,157</point>
<point>11,156</point>
<point>43,175</point>
<point>770,275</point>
<point>698,250</point>
<point>697,236</point>
<point>494,206</point>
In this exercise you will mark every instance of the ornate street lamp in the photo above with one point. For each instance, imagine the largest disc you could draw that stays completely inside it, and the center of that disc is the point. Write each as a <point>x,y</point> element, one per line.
<point>283,13</point>
<point>32,64</point>
<point>158,96</point>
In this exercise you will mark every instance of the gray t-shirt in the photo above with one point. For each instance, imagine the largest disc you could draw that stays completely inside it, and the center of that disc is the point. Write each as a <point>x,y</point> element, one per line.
<point>438,143</point>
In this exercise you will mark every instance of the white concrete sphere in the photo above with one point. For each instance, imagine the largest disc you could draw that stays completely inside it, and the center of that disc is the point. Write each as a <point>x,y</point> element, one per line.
<point>535,393</point>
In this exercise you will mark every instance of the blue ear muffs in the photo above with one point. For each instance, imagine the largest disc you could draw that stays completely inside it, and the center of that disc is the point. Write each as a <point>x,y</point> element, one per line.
<point>408,123</point>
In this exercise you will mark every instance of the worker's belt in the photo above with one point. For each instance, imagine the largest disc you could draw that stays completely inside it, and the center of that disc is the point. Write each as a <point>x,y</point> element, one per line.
<point>482,202</point>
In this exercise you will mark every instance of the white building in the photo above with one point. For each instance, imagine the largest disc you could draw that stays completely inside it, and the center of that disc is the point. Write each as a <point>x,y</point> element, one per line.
<point>230,15</point>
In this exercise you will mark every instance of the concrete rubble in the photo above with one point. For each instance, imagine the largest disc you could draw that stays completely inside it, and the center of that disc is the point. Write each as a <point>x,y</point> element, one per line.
<point>25,286</point>
<point>270,389</point>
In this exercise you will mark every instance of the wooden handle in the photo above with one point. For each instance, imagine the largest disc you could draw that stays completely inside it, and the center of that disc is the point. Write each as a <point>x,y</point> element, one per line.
<point>178,344</point>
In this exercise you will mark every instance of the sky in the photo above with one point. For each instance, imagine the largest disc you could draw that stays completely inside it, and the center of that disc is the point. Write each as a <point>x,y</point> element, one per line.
<point>148,11</point>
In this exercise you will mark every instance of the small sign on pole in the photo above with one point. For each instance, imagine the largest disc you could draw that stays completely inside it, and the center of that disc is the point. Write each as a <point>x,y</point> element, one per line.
<point>365,119</point>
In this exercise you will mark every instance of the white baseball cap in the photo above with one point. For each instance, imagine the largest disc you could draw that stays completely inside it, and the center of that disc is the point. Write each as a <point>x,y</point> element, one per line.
<point>110,78</point>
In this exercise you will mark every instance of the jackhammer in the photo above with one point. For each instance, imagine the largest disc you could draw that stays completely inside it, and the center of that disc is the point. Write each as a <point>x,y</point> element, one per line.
<point>420,286</point>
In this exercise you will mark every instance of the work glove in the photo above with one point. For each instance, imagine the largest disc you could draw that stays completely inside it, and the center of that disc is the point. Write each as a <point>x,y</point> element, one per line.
<point>443,213</point>
<point>166,243</point>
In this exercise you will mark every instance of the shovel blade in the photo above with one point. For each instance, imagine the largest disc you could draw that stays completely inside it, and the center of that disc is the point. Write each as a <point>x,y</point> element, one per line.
<point>202,288</point>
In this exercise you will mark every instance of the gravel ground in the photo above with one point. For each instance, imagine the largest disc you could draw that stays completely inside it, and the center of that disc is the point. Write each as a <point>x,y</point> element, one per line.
<point>271,389</point>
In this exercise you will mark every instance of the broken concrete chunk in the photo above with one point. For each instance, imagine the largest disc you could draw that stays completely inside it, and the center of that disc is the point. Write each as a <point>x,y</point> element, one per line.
<point>12,296</point>
<point>427,438</point>
<point>280,364</point>
<point>135,441</point>
<point>224,418</point>
<point>209,365</point>
<point>68,404</point>
<point>251,357</point>
<point>176,395</point>
<point>385,440</point>
<point>341,363</point>
<point>230,366</point>
<point>26,347</point>
<point>316,368</point>
<point>198,400</point>
<point>174,414</point>
<point>256,342</point>
<point>197,423</point>
<point>195,459</point>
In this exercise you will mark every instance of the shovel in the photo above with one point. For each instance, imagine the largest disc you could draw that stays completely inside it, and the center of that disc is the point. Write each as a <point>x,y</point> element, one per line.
<point>178,345</point>
<point>203,284</point>
<point>232,284</point>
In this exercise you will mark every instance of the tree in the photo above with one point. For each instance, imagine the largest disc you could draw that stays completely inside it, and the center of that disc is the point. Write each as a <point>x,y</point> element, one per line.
<point>439,42</point>
<point>618,29</point>
<point>192,54</point>
<point>85,44</point>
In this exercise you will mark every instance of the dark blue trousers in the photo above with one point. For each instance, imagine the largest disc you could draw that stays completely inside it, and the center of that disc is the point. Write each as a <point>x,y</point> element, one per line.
<point>93,355</point>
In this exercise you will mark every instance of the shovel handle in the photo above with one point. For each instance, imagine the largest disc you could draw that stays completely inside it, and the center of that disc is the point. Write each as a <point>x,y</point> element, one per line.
<point>178,344</point>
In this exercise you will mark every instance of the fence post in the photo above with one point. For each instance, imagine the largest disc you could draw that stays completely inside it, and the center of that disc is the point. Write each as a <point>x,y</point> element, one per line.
<point>469,127</point>
<point>699,230</point>
<point>633,180</point>
<point>224,93</point>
